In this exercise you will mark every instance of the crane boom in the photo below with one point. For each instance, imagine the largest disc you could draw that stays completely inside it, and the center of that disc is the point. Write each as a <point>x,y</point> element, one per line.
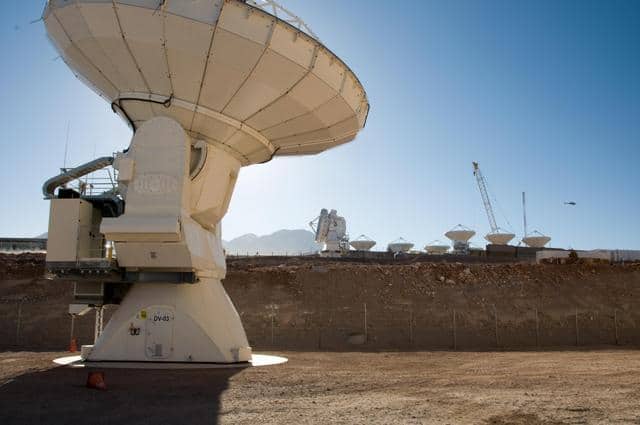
<point>482,185</point>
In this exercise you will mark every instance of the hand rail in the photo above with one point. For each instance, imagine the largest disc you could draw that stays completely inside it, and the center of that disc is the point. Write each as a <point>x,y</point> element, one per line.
<point>49,187</point>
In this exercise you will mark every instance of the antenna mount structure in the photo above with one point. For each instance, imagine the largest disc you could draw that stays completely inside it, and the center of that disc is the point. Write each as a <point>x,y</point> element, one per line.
<point>331,231</point>
<point>248,81</point>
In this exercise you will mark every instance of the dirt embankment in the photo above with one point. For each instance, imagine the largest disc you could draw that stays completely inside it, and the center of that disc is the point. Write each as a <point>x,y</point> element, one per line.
<point>436,305</point>
<point>320,304</point>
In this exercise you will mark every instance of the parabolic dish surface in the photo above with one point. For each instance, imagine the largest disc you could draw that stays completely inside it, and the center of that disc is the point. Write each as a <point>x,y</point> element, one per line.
<point>230,73</point>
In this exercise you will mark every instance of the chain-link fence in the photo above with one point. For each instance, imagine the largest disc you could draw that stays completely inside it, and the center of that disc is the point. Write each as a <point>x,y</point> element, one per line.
<point>408,326</point>
<point>42,321</point>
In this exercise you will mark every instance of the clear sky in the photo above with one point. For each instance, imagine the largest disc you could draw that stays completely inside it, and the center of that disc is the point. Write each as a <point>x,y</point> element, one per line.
<point>545,95</point>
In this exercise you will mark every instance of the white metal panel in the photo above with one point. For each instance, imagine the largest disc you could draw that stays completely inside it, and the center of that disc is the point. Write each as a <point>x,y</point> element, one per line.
<point>56,33</point>
<point>341,141</point>
<point>292,45</point>
<point>302,124</point>
<point>76,28</point>
<point>64,229</point>
<point>159,332</point>
<point>212,128</point>
<point>259,156</point>
<point>59,3</point>
<point>320,135</point>
<point>87,71</point>
<point>178,113</point>
<point>272,77</point>
<point>329,69</point>
<point>209,326</point>
<point>244,21</point>
<point>306,95</point>
<point>334,111</point>
<point>351,92</point>
<point>142,111</point>
<point>144,33</point>
<point>283,109</point>
<point>187,48</point>
<point>99,20</point>
<point>346,127</point>
<point>241,142</point>
<point>232,59</point>
<point>235,52</point>
<point>78,62</point>
<point>206,11</point>
<point>90,74</point>
<point>105,29</point>
<point>314,148</point>
<point>363,112</point>
<point>312,92</point>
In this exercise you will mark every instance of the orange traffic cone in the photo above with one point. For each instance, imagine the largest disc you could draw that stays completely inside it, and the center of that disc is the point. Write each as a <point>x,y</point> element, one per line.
<point>95,380</point>
<point>73,345</point>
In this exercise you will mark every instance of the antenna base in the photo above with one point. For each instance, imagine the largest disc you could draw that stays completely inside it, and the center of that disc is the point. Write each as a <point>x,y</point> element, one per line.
<point>160,322</point>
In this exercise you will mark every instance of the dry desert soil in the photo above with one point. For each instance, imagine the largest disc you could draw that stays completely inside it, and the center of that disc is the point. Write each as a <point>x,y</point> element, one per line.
<point>551,387</point>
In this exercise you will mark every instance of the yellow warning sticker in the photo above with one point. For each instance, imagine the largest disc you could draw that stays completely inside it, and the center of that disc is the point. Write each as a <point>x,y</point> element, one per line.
<point>143,314</point>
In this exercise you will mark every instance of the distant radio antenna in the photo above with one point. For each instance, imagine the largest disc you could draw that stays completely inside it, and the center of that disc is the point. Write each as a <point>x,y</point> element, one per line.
<point>66,147</point>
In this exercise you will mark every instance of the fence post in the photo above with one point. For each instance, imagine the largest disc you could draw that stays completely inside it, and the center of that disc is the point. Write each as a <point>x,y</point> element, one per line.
<point>366,335</point>
<point>577,338</point>
<point>272,315</point>
<point>455,337</point>
<point>273,324</point>
<point>495,316</point>
<point>411,324</point>
<point>537,328</point>
<point>615,324</point>
<point>19,321</point>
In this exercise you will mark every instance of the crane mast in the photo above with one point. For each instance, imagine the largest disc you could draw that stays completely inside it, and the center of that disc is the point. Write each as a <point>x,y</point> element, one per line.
<point>482,185</point>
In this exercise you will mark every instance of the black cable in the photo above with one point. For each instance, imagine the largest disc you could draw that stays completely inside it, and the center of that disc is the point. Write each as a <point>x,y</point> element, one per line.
<point>117,103</point>
<point>124,113</point>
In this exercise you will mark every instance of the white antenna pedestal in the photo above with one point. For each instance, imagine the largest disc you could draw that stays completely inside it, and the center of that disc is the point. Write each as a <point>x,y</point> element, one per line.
<point>164,322</point>
<point>168,243</point>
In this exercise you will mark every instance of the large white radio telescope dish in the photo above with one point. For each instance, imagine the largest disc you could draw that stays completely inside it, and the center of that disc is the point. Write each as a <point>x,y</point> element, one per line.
<point>232,74</point>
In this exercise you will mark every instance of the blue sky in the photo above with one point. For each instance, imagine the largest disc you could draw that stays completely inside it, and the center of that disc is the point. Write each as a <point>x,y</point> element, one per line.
<point>545,95</point>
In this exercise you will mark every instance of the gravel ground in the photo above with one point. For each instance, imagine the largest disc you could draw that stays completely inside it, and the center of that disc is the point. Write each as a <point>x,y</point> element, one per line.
<point>554,387</point>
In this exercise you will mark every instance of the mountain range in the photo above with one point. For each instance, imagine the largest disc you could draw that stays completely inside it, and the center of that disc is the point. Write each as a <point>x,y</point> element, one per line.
<point>282,242</point>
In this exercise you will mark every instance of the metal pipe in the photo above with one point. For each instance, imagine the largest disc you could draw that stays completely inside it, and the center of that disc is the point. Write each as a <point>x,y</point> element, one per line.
<point>49,187</point>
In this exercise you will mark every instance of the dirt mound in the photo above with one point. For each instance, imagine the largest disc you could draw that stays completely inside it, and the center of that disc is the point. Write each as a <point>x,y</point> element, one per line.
<point>337,305</point>
<point>319,303</point>
<point>21,266</point>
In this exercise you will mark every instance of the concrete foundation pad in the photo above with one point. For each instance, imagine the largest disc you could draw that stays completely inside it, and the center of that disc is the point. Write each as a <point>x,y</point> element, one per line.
<point>257,360</point>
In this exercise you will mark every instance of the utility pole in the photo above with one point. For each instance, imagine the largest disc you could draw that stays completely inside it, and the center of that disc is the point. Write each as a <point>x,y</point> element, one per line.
<point>524,214</point>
